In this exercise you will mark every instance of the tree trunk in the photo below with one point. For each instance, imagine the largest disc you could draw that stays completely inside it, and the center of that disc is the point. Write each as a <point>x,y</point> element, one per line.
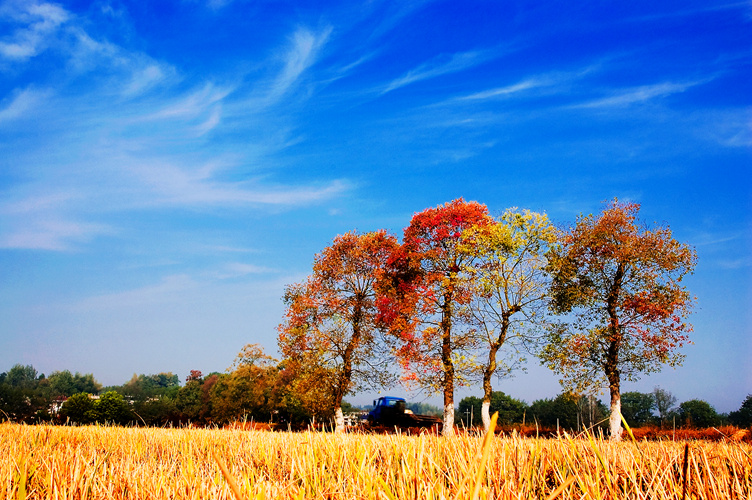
<point>345,375</point>
<point>614,420</point>
<point>448,428</point>
<point>446,359</point>
<point>339,420</point>
<point>491,368</point>
<point>612,356</point>
<point>485,412</point>
<point>612,374</point>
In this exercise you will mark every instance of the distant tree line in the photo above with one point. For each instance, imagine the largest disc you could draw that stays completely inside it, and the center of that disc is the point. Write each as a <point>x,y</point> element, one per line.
<point>570,411</point>
<point>258,388</point>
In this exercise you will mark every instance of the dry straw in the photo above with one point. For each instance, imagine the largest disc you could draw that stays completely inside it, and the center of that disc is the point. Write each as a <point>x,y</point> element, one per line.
<point>46,462</point>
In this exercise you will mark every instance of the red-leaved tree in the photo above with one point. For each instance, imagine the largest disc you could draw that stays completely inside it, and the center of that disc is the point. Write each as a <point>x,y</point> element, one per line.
<point>422,295</point>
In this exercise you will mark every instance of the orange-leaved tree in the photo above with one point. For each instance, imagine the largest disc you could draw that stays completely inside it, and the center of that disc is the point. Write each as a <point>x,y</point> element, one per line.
<point>330,332</point>
<point>619,284</point>
<point>510,288</point>
<point>421,299</point>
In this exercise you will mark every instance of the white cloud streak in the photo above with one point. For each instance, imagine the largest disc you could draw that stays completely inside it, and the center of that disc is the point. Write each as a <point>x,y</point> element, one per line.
<point>553,82</point>
<point>301,55</point>
<point>174,185</point>
<point>169,290</point>
<point>23,104</point>
<point>41,21</point>
<point>505,91</point>
<point>437,67</point>
<point>635,95</point>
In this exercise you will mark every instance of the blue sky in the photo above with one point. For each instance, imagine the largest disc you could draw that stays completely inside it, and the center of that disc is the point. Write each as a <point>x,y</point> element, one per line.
<point>167,167</point>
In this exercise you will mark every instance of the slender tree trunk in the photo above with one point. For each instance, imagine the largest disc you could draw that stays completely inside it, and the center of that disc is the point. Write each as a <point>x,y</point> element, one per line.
<point>446,357</point>
<point>339,420</point>
<point>345,376</point>
<point>485,411</point>
<point>448,365</point>
<point>614,420</point>
<point>491,368</point>
<point>612,356</point>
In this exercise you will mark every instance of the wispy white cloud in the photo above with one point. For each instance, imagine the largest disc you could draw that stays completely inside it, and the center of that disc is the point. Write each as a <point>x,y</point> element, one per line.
<point>144,152</point>
<point>506,90</point>
<point>634,95</point>
<point>40,22</point>
<point>730,127</point>
<point>732,264</point>
<point>553,81</point>
<point>169,289</point>
<point>301,54</point>
<point>240,269</point>
<point>43,221</point>
<point>144,78</point>
<point>218,4</point>
<point>51,234</point>
<point>711,239</point>
<point>439,66</point>
<point>230,249</point>
<point>215,116</point>
<point>193,104</point>
<point>691,12</point>
<point>39,226</point>
<point>22,104</point>
<point>175,185</point>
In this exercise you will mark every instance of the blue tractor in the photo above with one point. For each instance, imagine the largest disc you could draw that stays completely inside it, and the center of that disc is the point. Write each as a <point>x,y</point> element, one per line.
<point>391,411</point>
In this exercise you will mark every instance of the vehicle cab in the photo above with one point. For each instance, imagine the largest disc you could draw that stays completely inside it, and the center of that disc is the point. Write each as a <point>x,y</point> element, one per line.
<point>386,409</point>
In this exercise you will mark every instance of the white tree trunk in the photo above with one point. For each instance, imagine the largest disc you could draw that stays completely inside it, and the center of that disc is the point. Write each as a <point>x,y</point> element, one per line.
<point>614,419</point>
<point>485,413</point>
<point>339,420</point>
<point>448,428</point>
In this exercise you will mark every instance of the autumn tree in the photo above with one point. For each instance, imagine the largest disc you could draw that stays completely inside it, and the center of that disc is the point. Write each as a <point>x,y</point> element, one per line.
<point>510,288</point>
<point>329,336</point>
<point>247,390</point>
<point>422,300</point>
<point>618,283</point>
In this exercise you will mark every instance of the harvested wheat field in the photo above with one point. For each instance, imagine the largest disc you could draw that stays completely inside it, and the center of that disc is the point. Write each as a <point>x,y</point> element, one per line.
<point>115,462</point>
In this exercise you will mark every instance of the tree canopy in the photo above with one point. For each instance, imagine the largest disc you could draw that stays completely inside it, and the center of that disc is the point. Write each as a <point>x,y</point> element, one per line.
<point>329,336</point>
<point>509,289</point>
<point>422,301</point>
<point>619,288</point>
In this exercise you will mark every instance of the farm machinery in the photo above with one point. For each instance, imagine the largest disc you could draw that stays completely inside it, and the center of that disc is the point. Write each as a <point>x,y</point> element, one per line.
<point>390,411</point>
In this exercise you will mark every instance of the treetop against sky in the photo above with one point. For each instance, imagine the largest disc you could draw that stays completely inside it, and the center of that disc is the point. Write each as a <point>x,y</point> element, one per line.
<point>166,168</point>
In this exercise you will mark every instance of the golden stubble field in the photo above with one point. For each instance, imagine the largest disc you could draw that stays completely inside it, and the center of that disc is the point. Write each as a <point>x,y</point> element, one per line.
<point>117,463</point>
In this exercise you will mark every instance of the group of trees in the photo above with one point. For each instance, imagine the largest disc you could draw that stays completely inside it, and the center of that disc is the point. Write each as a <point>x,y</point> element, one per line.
<point>256,387</point>
<point>26,395</point>
<point>259,388</point>
<point>465,296</point>
<point>570,411</point>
